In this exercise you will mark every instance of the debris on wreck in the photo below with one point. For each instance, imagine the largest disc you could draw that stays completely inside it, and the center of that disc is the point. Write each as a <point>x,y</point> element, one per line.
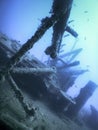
<point>92,120</point>
<point>60,26</point>
<point>85,93</point>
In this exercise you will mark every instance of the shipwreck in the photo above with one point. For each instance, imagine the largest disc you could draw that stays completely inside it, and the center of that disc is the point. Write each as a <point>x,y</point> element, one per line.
<point>33,94</point>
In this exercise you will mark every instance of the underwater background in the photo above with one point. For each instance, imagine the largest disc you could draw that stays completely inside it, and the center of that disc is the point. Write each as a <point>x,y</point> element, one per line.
<point>19,19</point>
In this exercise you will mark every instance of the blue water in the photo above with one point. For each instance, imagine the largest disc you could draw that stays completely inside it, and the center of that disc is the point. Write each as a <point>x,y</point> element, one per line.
<point>20,19</point>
